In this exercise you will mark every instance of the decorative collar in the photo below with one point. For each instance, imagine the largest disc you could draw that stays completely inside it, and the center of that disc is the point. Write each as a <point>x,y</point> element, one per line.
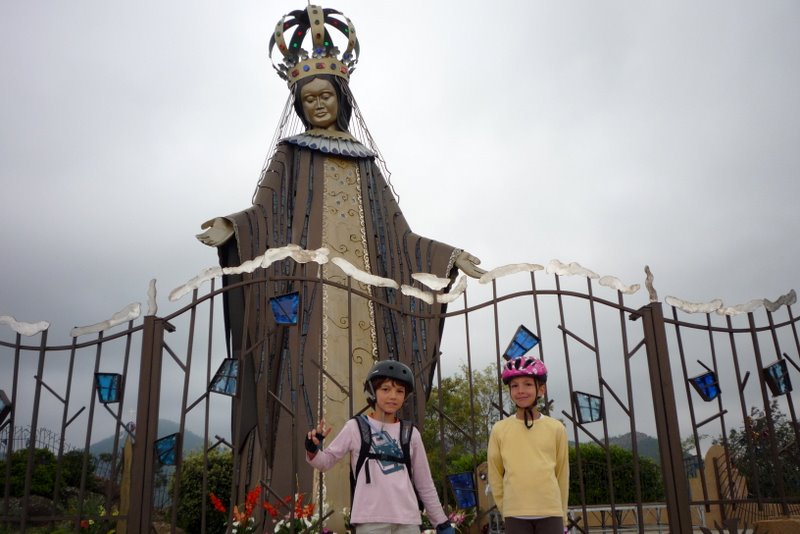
<point>331,142</point>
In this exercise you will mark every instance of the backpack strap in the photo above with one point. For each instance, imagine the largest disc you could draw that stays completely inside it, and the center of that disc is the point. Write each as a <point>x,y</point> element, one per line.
<point>364,453</point>
<point>406,429</point>
<point>366,442</point>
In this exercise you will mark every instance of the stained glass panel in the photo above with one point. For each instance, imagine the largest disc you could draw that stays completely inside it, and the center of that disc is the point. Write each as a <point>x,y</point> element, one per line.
<point>109,387</point>
<point>284,308</point>
<point>166,449</point>
<point>523,341</point>
<point>777,377</point>
<point>463,485</point>
<point>588,406</point>
<point>226,378</point>
<point>5,406</point>
<point>706,385</point>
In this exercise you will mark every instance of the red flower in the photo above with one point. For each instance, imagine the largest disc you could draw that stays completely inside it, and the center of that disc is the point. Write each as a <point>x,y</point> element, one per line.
<point>271,510</point>
<point>85,523</point>
<point>298,506</point>
<point>252,499</point>
<point>217,503</point>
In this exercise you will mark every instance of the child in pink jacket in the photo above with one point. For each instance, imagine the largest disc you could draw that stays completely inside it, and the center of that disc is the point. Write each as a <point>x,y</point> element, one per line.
<point>386,495</point>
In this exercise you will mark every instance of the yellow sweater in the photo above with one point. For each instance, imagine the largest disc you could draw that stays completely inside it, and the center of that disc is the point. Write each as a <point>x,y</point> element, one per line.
<point>529,468</point>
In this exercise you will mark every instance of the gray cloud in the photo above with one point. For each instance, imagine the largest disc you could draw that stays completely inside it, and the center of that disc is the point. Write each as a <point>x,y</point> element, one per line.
<point>612,134</point>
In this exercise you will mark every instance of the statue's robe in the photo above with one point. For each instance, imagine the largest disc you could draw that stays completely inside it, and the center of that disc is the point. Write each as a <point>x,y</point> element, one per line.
<point>322,192</point>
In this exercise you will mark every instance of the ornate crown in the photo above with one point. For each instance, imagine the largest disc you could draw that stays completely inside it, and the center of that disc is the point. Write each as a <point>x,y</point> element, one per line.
<point>324,58</point>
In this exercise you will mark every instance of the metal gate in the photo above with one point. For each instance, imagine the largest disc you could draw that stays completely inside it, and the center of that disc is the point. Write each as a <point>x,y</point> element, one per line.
<point>692,376</point>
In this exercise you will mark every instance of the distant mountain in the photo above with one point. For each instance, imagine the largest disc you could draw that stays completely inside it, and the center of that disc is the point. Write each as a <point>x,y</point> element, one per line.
<point>191,441</point>
<point>646,445</point>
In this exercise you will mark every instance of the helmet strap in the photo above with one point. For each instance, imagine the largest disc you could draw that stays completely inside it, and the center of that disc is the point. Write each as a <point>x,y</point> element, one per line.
<point>528,423</point>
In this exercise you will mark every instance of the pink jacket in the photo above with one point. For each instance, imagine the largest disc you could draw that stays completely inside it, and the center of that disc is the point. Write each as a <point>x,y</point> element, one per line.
<point>389,497</point>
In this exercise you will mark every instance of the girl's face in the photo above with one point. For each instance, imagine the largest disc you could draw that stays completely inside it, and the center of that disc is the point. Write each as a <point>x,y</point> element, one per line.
<point>524,391</point>
<point>389,397</point>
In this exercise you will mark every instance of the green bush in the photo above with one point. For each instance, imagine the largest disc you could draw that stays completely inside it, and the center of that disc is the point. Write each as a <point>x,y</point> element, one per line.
<point>595,476</point>
<point>220,472</point>
<point>43,476</point>
<point>71,466</point>
<point>44,472</point>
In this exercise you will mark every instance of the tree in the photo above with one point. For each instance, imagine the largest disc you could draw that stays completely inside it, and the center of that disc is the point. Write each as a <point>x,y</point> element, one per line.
<point>464,440</point>
<point>594,468</point>
<point>44,472</point>
<point>71,467</point>
<point>220,469</point>
<point>43,475</point>
<point>751,449</point>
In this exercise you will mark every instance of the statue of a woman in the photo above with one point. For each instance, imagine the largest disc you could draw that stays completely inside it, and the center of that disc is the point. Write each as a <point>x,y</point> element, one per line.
<point>322,188</point>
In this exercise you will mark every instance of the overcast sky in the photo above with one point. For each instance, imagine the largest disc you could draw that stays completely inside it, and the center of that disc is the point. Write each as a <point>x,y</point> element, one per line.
<point>614,134</point>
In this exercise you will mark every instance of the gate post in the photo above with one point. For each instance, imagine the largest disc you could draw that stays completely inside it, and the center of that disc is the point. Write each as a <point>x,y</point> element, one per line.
<point>140,515</point>
<point>676,486</point>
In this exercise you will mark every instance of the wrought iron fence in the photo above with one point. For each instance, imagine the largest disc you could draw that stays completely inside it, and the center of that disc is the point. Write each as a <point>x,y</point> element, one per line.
<point>44,439</point>
<point>617,364</point>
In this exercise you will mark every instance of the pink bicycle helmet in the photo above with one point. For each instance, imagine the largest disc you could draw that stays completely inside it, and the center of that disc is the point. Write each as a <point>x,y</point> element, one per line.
<point>524,366</point>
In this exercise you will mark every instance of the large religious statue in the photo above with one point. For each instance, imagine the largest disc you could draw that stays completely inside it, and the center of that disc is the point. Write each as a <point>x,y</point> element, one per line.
<point>322,188</point>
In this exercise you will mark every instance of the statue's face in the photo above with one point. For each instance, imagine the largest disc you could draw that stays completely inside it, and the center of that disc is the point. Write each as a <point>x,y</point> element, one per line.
<point>320,104</point>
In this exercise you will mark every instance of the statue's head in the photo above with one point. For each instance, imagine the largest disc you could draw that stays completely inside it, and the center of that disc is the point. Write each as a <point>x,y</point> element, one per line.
<point>322,102</point>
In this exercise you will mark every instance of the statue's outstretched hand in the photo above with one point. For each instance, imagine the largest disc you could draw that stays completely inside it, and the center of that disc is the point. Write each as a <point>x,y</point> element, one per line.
<point>217,232</point>
<point>469,264</point>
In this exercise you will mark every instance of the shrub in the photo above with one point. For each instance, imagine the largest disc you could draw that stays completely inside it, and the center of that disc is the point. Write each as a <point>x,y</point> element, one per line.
<point>595,476</point>
<point>43,478</point>
<point>220,472</point>
<point>44,472</point>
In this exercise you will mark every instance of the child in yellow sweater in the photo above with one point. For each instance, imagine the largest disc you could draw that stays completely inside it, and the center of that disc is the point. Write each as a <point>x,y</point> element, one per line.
<point>528,456</point>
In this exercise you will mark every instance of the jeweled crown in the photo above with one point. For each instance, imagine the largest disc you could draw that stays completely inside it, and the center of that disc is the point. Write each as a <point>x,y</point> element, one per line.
<point>324,57</point>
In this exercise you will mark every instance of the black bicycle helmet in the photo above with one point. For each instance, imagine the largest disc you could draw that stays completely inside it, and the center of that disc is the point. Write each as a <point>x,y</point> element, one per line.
<point>393,370</point>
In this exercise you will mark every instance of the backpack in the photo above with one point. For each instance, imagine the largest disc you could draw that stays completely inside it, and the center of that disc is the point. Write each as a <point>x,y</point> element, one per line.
<point>365,454</point>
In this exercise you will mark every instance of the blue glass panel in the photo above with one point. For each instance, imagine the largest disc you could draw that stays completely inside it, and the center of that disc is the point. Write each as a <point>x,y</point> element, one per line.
<point>226,378</point>
<point>777,377</point>
<point>706,385</point>
<point>523,341</point>
<point>5,406</point>
<point>463,485</point>
<point>589,407</point>
<point>108,387</point>
<point>284,308</point>
<point>166,449</point>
